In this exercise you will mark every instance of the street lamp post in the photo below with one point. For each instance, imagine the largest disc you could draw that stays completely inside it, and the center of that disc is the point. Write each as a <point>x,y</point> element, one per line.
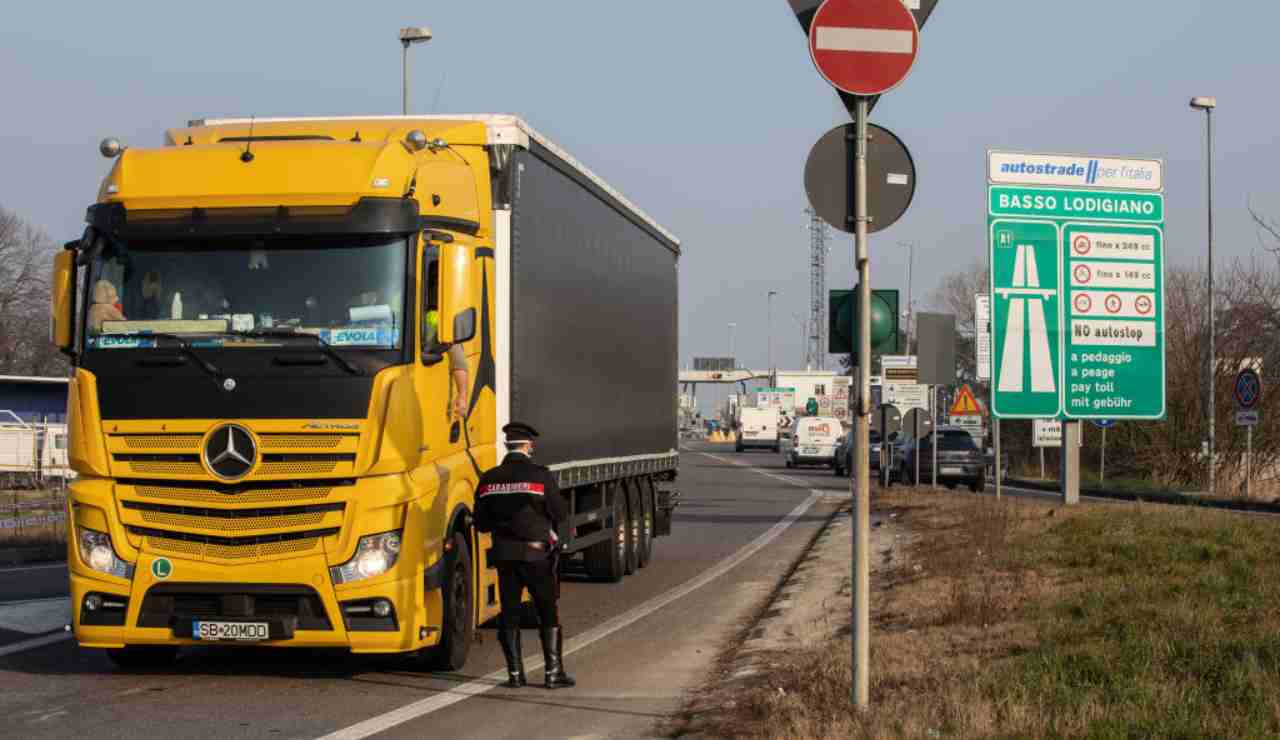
<point>731,327</point>
<point>1207,104</point>
<point>772,293</point>
<point>408,37</point>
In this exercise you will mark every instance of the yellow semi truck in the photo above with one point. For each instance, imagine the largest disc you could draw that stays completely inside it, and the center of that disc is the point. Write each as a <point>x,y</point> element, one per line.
<point>262,417</point>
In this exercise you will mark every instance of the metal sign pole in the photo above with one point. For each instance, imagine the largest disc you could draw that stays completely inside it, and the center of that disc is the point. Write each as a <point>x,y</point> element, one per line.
<point>1248,463</point>
<point>1102,464</point>
<point>1000,478</point>
<point>933,430</point>
<point>862,490</point>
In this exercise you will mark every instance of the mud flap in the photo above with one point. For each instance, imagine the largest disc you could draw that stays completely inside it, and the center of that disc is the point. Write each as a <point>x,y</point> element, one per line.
<point>667,502</point>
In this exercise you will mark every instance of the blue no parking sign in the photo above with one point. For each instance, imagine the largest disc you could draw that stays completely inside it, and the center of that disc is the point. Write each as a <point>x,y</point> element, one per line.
<point>1248,389</point>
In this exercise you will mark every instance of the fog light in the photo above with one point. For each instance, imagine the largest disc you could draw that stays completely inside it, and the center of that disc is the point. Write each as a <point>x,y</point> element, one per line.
<point>381,607</point>
<point>93,602</point>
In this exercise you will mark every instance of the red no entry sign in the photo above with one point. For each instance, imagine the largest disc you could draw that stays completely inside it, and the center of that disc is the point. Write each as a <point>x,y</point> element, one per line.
<point>864,47</point>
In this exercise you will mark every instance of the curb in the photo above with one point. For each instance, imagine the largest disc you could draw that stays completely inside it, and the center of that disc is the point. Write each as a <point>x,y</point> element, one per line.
<point>753,651</point>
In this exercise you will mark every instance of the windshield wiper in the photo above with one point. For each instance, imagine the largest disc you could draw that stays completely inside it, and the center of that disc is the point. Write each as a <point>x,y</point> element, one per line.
<point>324,346</point>
<point>204,364</point>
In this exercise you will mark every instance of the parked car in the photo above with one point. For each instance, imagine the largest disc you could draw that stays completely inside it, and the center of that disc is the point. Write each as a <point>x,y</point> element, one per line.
<point>959,460</point>
<point>844,455</point>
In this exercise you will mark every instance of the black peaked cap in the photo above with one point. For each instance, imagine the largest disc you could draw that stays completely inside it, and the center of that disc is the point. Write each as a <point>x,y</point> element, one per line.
<point>518,431</point>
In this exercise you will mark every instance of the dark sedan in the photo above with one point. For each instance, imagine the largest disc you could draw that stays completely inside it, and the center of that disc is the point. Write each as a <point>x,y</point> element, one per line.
<point>844,455</point>
<point>959,460</point>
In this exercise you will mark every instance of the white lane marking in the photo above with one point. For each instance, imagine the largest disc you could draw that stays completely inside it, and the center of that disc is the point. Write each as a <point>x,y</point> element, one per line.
<point>874,40</point>
<point>423,707</point>
<point>42,566</point>
<point>35,616</point>
<point>19,647</point>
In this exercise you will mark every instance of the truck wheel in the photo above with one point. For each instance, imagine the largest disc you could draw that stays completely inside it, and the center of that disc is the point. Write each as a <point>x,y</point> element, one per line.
<point>645,486</point>
<point>459,612</point>
<point>141,657</point>
<point>607,560</point>
<point>634,519</point>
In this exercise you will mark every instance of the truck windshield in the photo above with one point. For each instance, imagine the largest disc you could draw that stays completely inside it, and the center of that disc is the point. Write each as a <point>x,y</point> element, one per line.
<point>348,291</point>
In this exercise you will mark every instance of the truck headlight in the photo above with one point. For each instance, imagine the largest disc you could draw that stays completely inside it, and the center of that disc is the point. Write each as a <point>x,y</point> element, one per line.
<point>97,553</point>
<point>375,554</point>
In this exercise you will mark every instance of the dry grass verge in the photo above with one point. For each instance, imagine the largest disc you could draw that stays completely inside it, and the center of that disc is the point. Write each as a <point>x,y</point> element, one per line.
<point>1020,619</point>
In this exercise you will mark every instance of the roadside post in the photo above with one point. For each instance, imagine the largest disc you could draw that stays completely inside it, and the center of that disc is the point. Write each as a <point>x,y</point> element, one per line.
<point>1248,392</point>
<point>1104,425</point>
<point>863,48</point>
<point>1077,291</point>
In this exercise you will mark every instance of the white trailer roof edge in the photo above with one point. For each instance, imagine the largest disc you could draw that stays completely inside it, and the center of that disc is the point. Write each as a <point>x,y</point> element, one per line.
<point>502,129</point>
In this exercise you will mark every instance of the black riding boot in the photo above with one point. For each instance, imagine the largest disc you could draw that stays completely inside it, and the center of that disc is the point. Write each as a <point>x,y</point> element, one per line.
<point>510,641</point>
<point>553,655</point>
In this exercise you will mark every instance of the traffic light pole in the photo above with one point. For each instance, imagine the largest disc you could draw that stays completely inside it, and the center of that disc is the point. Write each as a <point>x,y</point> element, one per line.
<point>861,480</point>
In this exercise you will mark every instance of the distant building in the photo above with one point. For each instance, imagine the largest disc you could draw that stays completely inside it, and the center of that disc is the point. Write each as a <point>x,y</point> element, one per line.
<point>33,399</point>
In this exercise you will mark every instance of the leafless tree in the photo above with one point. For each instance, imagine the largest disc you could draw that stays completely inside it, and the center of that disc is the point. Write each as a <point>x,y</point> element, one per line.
<point>26,253</point>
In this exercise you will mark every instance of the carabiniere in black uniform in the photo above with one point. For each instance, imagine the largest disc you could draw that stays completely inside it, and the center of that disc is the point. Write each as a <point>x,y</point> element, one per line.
<point>520,504</point>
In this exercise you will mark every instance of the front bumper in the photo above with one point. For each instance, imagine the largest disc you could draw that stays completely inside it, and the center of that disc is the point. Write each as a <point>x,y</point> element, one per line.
<point>294,595</point>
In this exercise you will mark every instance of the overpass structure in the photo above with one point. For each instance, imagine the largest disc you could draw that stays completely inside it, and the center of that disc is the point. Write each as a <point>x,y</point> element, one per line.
<point>689,379</point>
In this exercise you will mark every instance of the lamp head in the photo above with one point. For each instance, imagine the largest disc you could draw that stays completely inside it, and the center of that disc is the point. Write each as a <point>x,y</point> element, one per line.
<point>1204,102</point>
<point>414,35</point>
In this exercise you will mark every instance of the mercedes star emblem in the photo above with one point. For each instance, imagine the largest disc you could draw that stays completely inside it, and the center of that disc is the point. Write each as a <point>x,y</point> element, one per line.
<point>229,385</point>
<point>230,452</point>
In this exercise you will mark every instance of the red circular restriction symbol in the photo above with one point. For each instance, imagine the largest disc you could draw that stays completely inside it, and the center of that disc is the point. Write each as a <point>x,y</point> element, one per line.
<point>1082,303</point>
<point>1113,303</point>
<point>1082,273</point>
<point>864,47</point>
<point>1143,304</point>
<point>1081,244</point>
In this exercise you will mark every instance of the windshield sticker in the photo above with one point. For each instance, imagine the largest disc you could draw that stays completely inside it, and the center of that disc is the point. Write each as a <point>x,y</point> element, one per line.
<point>107,341</point>
<point>371,336</point>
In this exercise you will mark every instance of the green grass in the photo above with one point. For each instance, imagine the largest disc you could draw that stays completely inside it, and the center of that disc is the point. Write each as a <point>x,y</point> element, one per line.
<point>1170,627</point>
<point>1027,620</point>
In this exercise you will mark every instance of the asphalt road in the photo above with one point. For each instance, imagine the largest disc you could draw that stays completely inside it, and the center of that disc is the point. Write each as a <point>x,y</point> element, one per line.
<point>637,645</point>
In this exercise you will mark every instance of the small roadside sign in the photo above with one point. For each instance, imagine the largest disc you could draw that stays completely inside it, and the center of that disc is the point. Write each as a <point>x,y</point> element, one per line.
<point>982,333</point>
<point>1248,389</point>
<point>1104,423</point>
<point>864,47</point>
<point>1247,418</point>
<point>965,404</point>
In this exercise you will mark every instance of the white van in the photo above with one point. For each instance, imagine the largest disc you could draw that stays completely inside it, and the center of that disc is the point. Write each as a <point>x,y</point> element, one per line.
<point>757,427</point>
<point>814,441</point>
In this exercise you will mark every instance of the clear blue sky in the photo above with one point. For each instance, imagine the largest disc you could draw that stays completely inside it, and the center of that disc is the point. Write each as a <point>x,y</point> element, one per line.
<point>702,112</point>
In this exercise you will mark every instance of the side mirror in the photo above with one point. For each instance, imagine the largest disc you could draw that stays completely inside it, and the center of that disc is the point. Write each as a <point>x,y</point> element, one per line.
<point>457,313</point>
<point>61,329</point>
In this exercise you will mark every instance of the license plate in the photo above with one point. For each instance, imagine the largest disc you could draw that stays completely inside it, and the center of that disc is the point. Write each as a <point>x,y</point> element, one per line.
<point>811,450</point>
<point>229,630</point>
<point>951,470</point>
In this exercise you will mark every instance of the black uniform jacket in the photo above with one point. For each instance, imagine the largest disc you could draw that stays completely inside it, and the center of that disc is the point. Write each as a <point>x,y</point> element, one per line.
<point>519,500</point>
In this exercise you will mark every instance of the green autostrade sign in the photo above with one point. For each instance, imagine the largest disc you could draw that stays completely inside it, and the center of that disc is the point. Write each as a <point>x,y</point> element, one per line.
<point>1077,288</point>
<point>1076,204</point>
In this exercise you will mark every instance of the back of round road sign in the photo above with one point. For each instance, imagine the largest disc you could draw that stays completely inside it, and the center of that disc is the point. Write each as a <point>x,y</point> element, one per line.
<point>891,178</point>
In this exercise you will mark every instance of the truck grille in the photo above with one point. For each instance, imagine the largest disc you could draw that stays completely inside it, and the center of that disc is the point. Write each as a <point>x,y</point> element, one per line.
<point>233,520</point>
<point>264,493</point>
<point>233,548</point>
<point>272,464</point>
<point>268,441</point>
<point>168,602</point>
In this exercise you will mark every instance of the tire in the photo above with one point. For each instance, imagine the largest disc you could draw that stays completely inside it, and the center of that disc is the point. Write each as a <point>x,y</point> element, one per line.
<point>143,657</point>
<point>647,503</point>
<point>979,484</point>
<point>737,448</point>
<point>836,471</point>
<point>634,518</point>
<point>606,561</point>
<point>459,610</point>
